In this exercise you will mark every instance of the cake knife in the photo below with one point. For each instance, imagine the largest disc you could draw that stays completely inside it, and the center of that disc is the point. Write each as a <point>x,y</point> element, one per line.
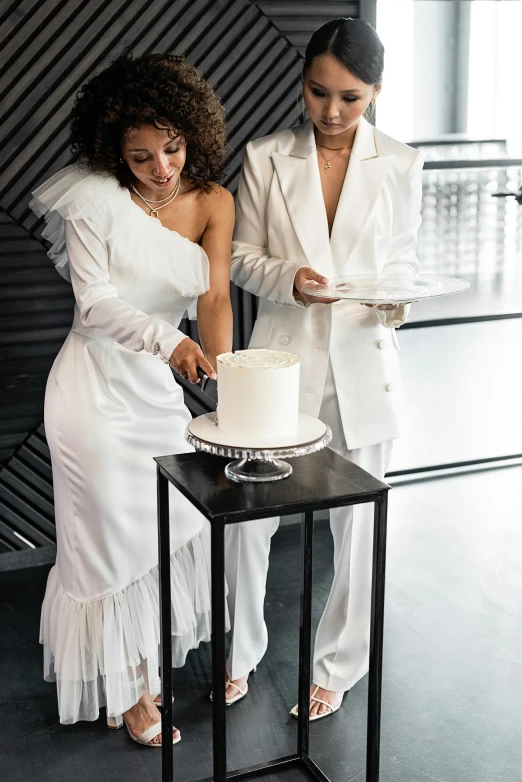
<point>208,386</point>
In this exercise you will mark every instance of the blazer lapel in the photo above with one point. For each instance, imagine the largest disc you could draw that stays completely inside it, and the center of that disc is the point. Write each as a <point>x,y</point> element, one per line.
<point>298,175</point>
<point>362,185</point>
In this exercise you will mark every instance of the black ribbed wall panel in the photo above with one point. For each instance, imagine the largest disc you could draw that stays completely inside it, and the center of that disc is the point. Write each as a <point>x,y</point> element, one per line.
<point>298,20</point>
<point>249,51</point>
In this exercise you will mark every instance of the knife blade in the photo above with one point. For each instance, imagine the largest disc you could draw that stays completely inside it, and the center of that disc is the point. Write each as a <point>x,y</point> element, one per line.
<point>208,386</point>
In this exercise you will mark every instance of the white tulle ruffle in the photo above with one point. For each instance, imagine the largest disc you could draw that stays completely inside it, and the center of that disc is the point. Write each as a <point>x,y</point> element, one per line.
<point>105,653</point>
<point>77,194</point>
<point>53,199</point>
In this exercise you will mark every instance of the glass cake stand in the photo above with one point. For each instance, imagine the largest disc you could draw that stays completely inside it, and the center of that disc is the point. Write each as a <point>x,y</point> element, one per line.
<point>260,461</point>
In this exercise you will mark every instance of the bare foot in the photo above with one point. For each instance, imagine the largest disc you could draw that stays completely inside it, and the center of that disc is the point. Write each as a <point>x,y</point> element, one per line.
<point>333,698</point>
<point>241,684</point>
<point>143,716</point>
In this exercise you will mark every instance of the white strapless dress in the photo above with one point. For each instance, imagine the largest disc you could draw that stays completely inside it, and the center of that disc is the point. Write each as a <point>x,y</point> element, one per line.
<point>111,405</point>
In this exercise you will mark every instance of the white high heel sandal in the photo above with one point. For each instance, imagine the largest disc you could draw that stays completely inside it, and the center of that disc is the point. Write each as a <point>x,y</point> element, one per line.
<point>115,723</point>
<point>159,704</point>
<point>240,693</point>
<point>333,709</point>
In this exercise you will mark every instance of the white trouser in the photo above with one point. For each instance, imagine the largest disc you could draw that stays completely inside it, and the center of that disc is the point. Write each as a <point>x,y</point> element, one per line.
<point>341,654</point>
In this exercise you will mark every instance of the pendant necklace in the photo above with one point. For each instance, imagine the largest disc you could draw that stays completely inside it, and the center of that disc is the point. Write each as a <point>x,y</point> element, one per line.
<point>148,202</point>
<point>329,162</point>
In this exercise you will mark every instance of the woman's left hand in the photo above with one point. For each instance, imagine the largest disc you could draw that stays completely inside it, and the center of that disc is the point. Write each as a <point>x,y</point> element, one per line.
<point>385,306</point>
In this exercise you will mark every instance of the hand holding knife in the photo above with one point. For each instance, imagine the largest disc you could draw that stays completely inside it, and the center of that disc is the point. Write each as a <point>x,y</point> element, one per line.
<point>207,385</point>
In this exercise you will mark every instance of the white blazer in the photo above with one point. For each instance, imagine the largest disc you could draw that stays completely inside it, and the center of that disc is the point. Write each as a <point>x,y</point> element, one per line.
<point>281,225</point>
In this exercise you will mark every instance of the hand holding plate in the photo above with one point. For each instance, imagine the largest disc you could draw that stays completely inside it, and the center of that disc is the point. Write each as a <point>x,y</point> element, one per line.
<point>307,276</point>
<point>386,306</point>
<point>385,290</point>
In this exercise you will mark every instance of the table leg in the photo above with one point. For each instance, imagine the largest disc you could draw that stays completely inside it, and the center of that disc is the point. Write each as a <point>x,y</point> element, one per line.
<point>219,736</point>
<point>305,634</point>
<point>167,767</point>
<point>376,640</point>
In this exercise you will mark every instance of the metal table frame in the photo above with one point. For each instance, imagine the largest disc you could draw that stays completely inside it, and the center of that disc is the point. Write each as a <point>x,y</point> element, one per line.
<point>301,758</point>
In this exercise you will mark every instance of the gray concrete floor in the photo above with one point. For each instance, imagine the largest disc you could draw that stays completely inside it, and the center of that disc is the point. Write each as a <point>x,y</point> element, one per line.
<point>452,674</point>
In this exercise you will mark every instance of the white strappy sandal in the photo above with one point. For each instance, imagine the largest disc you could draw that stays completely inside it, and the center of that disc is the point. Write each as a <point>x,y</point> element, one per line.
<point>115,723</point>
<point>158,704</point>
<point>240,693</point>
<point>332,709</point>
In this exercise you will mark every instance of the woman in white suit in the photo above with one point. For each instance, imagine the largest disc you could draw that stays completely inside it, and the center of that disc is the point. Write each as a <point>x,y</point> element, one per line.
<point>332,196</point>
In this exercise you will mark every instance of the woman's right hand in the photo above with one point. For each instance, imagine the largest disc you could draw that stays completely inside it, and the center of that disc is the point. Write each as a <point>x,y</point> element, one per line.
<point>305,275</point>
<point>186,359</point>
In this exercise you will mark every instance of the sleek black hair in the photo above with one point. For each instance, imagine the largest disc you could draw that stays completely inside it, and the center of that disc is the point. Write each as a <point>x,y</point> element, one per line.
<point>355,44</point>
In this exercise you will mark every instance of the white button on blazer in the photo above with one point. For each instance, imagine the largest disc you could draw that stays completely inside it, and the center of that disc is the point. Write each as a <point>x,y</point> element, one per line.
<point>281,225</point>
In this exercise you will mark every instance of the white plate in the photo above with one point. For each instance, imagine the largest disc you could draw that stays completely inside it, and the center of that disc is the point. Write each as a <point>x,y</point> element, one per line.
<point>386,288</point>
<point>205,428</point>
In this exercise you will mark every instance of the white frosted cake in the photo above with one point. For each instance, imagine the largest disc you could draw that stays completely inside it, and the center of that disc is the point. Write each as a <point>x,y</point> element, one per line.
<point>258,393</point>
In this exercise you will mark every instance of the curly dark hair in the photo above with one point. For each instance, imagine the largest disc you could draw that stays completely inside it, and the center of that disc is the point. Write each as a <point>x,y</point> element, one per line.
<point>155,89</point>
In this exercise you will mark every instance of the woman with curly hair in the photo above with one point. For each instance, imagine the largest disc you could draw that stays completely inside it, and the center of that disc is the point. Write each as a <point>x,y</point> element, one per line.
<point>143,232</point>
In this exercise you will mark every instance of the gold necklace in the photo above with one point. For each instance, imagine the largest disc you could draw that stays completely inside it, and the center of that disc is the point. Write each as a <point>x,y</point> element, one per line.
<point>329,162</point>
<point>333,149</point>
<point>154,212</point>
<point>150,200</point>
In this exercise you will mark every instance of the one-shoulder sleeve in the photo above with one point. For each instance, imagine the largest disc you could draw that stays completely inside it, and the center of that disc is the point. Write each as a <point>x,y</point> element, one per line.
<point>73,193</point>
<point>78,223</point>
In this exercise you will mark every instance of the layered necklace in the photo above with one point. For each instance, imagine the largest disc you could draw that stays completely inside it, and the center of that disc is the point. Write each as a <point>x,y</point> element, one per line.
<point>332,149</point>
<point>152,205</point>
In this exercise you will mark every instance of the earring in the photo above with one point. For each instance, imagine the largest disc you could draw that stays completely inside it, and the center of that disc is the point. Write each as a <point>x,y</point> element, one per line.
<point>369,114</point>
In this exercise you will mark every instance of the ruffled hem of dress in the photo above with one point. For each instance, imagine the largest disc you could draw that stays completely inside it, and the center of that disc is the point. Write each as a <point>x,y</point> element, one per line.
<point>106,652</point>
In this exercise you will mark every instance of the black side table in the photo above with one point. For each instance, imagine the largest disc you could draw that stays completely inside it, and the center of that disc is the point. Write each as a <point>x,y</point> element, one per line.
<point>319,481</point>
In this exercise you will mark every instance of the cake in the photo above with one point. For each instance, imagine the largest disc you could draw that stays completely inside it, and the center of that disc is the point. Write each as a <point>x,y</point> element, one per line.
<point>258,393</point>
